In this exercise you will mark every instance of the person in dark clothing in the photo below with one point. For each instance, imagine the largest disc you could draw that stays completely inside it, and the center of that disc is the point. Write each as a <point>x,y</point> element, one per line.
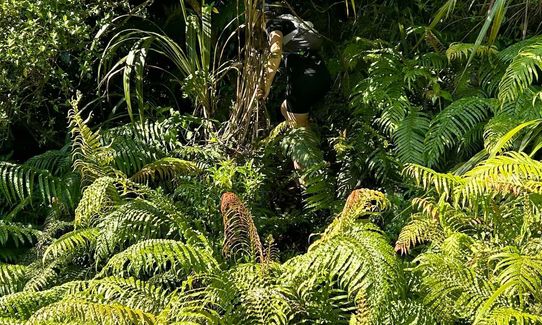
<point>308,80</point>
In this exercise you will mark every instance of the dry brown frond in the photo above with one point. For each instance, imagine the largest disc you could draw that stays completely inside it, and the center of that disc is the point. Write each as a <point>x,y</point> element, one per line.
<point>362,201</point>
<point>240,234</point>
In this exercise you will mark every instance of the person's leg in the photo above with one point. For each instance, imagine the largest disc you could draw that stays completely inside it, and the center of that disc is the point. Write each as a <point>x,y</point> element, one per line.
<point>295,119</point>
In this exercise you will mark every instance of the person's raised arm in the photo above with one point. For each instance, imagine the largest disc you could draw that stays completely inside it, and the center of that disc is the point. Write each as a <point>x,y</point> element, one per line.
<point>273,63</point>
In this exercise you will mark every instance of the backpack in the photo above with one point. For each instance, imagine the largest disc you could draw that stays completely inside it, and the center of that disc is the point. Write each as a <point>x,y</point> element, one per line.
<point>303,37</point>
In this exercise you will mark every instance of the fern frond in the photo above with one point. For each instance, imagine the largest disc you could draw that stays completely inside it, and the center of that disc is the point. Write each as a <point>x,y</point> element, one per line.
<point>510,53</point>
<point>508,315</point>
<point>462,51</point>
<point>430,179</point>
<point>22,305</point>
<point>505,174</point>
<point>449,126</point>
<point>359,260</point>
<point>409,137</point>
<point>72,244</point>
<point>241,237</point>
<point>497,127</point>
<point>360,203</point>
<point>136,221</point>
<point>203,300</point>
<point>165,169</point>
<point>263,300</point>
<point>410,312</point>
<point>57,162</point>
<point>453,289</point>
<point>19,182</point>
<point>12,278</point>
<point>17,234</point>
<point>129,292</point>
<point>159,134</point>
<point>98,199</point>
<point>156,256</point>
<point>90,157</point>
<point>419,230</point>
<point>91,312</point>
<point>522,72</point>
<point>318,187</point>
<point>43,278</point>
<point>302,145</point>
<point>521,274</point>
<point>457,245</point>
<point>393,114</point>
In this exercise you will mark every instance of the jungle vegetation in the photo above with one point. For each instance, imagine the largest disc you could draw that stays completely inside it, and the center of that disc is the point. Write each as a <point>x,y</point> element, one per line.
<point>143,182</point>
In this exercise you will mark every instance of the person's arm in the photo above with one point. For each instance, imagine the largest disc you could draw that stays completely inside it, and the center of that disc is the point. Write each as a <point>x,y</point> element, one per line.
<point>273,63</point>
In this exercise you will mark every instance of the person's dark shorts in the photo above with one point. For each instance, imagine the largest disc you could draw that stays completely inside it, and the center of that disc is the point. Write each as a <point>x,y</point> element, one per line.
<point>308,81</point>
